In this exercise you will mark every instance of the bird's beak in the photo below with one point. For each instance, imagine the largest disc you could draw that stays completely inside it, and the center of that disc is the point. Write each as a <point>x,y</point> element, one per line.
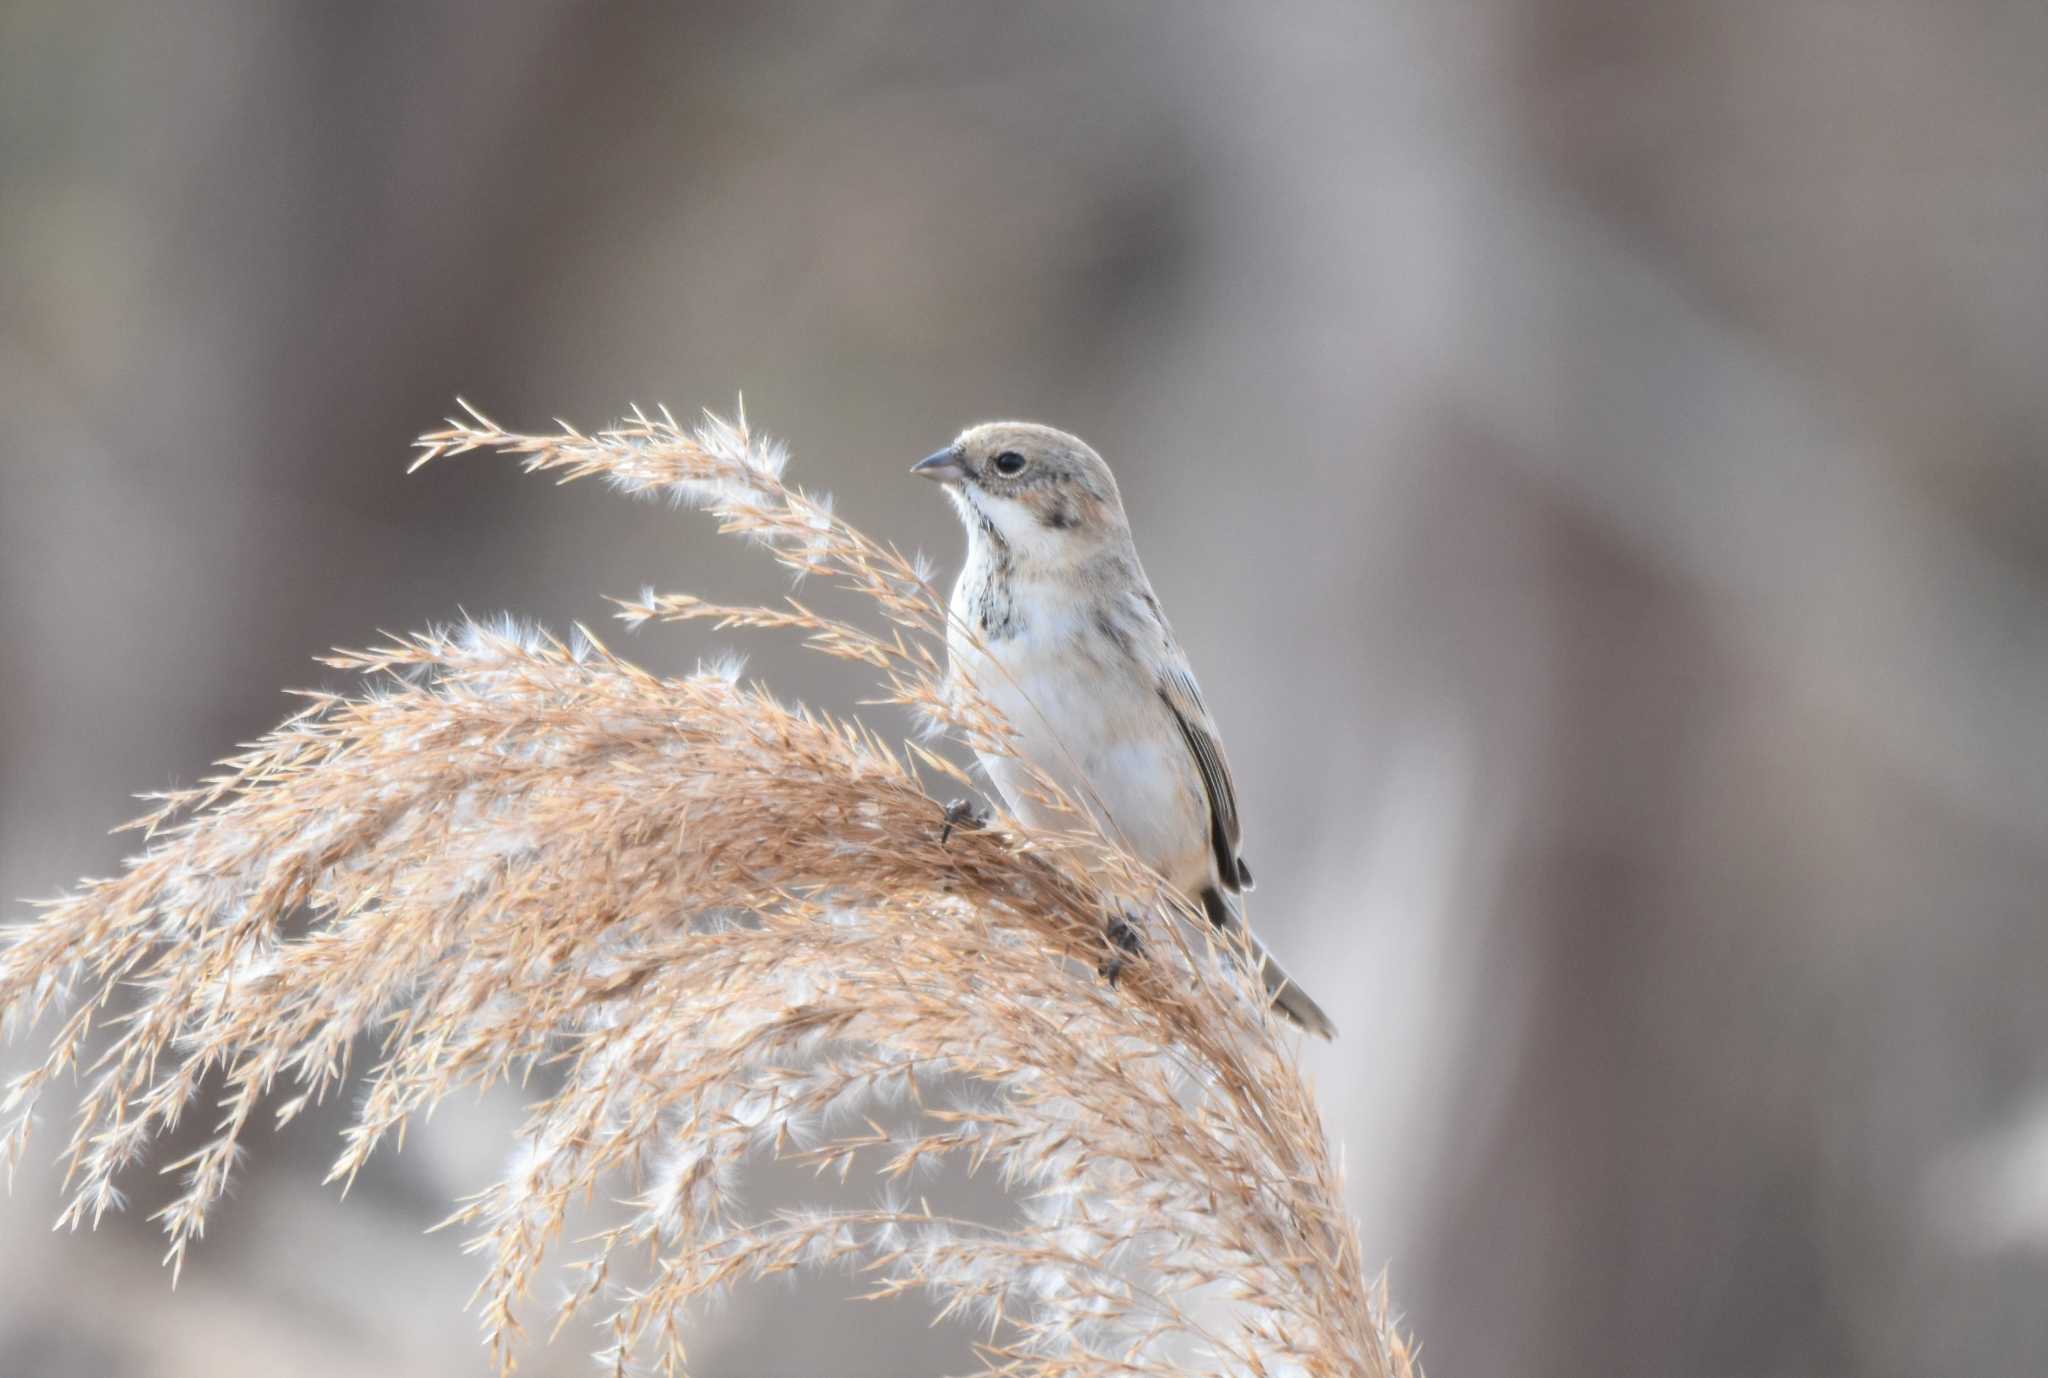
<point>943,466</point>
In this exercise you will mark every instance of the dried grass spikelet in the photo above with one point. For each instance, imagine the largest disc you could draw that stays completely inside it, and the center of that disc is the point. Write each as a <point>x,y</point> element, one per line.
<point>736,926</point>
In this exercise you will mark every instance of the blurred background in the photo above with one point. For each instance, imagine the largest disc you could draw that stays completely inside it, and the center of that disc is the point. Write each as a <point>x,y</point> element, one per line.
<point>1595,453</point>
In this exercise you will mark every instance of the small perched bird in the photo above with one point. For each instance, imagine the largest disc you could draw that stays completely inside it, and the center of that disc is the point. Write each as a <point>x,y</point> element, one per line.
<point>1056,625</point>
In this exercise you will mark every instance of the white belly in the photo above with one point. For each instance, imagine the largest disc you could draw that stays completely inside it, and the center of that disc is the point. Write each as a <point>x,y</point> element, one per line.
<point>1103,734</point>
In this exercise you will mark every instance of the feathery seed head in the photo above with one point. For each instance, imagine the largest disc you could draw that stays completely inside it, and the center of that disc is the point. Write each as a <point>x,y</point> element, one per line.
<point>734,925</point>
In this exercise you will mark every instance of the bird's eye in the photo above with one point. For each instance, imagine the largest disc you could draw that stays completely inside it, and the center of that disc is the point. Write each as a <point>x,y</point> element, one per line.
<point>1009,464</point>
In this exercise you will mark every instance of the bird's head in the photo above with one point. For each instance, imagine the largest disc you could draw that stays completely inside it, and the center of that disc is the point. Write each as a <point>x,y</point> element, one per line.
<point>1043,493</point>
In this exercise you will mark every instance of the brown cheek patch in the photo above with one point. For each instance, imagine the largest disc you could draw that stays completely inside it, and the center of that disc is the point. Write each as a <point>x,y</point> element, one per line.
<point>1063,510</point>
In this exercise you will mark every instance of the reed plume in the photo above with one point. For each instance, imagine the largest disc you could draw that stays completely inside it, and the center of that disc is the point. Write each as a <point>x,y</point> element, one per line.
<point>739,927</point>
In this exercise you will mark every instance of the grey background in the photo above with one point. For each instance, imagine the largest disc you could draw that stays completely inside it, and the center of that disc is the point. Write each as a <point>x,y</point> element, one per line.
<point>1593,452</point>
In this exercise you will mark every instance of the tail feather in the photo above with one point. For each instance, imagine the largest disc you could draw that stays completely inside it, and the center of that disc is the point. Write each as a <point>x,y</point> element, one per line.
<point>1294,1002</point>
<point>1281,991</point>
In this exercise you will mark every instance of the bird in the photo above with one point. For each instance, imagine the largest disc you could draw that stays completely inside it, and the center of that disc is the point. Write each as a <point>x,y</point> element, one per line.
<point>1053,622</point>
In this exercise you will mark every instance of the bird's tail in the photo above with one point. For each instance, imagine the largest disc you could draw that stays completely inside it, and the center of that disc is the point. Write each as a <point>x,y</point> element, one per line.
<point>1281,991</point>
<point>1290,999</point>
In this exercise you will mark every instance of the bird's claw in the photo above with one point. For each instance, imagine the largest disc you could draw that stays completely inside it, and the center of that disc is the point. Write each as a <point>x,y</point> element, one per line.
<point>963,814</point>
<point>1123,936</point>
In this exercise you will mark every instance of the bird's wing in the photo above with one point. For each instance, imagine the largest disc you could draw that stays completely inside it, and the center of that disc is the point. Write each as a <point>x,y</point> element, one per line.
<point>1178,689</point>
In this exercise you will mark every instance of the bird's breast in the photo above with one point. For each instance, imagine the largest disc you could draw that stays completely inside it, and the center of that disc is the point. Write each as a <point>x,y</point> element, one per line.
<point>1089,717</point>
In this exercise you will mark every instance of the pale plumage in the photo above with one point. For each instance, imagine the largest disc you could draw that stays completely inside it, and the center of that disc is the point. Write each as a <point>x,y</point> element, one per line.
<point>1056,625</point>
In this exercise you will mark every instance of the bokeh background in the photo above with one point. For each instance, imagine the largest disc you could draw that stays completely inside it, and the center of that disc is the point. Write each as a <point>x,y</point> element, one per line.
<point>1593,451</point>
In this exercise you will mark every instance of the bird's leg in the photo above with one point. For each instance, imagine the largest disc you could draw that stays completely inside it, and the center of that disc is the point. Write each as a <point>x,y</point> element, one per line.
<point>964,814</point>
<point>1123,937</point>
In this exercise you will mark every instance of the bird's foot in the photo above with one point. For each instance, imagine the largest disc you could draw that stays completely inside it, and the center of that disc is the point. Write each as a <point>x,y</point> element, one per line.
<point>965,815</point>
<point>1123,937</point>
